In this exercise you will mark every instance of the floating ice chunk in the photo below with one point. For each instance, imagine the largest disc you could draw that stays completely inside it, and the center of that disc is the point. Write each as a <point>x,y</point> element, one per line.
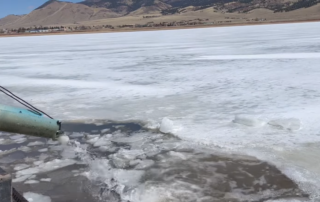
<point>261,181</point>
<point>166,125</point>
<point>206,199</point>
<point>135,140</point>
<point>184,148</point>
<point>99,169</point>
<point>43,157</point>
<point>32,177</point>
<point>108,136</point>
<point>36,143</point>
<point>45,179</point>
<point>144,164</point>
<point>152,125</point>
<point>102,141</point>
<point>7,151</point>
<point>93,140</point>
<point>169,146</point>
<point>90,121</point>
<point>15,137</point>
<point>92,136</point>
<point>21,179</point>
<point>134,162</point>
<point>73,152</point>
<point>131,154</point>
<point>151,150</point>
<point>24,148</point>
<point>31,182</point>
<point>37,163</point>
<point>56,148</point>
<point>34,197</point>
<point>129,140</point>
<point>119,162</point>
<point>21,166</point>
<point>20,140</point>
<point>76,135</point>
<point>128,177</point>
<point>46,167</point>
<point>103,148</point>
<point>51,142</point>
<point>178,154</point>
<point>123,157</point>
<point>63,139</point>
<point>109,148</point>
<point>155,137</point>
<point>29,159</point>
<point>105,130</point>
<point>249,121</point>
<point>43,150</point>
<point>5,141</point>
<point>286,124</point>
<point>119,126</point>
<point>69,153</point>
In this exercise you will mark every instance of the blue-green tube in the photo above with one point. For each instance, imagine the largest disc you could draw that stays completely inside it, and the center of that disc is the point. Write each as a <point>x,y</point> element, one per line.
<point>24,121</point>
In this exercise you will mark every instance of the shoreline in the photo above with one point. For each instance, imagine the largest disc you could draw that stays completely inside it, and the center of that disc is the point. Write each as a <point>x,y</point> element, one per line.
<point>158,28</point>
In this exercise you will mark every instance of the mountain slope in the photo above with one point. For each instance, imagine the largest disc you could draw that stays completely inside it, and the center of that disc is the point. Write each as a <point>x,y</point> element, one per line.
<point>173,6</point>
<point>9,19</point>
<point>56,12</point>
<point>46,4</point>
<point>155,8</point>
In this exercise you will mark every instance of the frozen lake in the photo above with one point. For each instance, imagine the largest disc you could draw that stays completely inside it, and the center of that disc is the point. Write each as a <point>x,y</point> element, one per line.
<point>251,90</point>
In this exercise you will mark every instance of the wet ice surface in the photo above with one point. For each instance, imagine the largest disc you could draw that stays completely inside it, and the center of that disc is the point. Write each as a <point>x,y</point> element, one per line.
<point>139,165</point>
<point>251,90</point>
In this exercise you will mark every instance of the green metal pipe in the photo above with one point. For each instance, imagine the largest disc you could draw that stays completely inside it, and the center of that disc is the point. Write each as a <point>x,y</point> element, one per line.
<point>24,121</point>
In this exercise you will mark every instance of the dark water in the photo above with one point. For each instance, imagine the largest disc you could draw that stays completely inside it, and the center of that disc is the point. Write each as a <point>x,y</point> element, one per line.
<point>202,175</point>
<point>91,127</point>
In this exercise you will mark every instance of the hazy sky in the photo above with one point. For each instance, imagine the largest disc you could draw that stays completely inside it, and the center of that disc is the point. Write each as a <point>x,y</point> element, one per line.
<point>19,7</point>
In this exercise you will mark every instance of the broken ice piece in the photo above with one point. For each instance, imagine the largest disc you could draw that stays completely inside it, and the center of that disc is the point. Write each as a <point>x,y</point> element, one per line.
<point>248,120</point>
<point>31,182</point>
<point>45,179</point>
<point>43,150</point>
<point>63,139</point>
<point>105,130</point>
<point>36,143</point>
<point>34,197</point>
<point>144,164</point>
<point>286,124</point>
<point>22,178</point>
<point>166,125</point>
<point>21,166</point>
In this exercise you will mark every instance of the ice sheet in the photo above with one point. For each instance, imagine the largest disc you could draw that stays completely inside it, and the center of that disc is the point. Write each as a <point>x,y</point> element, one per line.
<point>199,79</point>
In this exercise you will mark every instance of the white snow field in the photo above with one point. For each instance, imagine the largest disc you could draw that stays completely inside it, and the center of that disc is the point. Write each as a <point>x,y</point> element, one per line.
<point>253,90</point>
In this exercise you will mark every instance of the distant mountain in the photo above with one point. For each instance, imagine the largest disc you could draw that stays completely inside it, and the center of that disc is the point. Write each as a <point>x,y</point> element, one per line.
<point>124,7</point>
<point>46,4</point>
<point>173,6</point>
<point>54,12</point>
<point>10,19</point>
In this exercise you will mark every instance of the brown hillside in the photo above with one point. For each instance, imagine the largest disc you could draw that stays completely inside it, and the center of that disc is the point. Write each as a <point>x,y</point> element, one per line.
<point>58,13</point>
